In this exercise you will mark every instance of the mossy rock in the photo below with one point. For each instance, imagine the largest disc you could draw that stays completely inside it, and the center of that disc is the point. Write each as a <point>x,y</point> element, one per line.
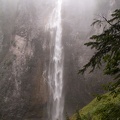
<point>107,108</point>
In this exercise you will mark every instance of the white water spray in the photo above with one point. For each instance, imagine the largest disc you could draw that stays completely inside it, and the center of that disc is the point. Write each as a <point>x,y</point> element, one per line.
<point>55,75</point>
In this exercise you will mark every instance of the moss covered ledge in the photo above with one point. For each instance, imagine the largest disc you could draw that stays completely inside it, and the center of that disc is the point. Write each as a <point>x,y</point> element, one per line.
<point>108,108</point>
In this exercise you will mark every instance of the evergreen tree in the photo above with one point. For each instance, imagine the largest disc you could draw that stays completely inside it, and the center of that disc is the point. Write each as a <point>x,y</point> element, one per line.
<point>107,50</point>
<point>67,117</point>
<point>78,117</point>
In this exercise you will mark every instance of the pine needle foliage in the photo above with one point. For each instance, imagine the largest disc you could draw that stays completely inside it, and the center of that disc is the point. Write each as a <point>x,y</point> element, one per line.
<point>107,49</point>
<point>67,117</point>
<point>78,117</point>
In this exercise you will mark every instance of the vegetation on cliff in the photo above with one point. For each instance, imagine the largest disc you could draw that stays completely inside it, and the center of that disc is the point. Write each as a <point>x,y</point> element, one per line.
<point>108,108</point>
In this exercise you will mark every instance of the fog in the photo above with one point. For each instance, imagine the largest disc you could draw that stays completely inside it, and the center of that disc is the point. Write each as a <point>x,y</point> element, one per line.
<point>25,55</point>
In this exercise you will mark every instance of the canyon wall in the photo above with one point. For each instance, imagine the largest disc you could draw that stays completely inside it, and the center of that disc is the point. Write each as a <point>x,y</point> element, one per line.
<point>25,55</point>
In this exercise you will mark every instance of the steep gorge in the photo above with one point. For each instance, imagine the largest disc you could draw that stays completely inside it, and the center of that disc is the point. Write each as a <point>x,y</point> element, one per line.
<point>25,55</point>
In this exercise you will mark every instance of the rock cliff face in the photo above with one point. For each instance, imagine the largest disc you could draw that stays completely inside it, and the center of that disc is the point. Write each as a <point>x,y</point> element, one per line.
<point>25,54</point>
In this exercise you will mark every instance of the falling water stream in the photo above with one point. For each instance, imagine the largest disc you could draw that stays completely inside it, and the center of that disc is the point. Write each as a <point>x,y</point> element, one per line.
<point>55,75</point>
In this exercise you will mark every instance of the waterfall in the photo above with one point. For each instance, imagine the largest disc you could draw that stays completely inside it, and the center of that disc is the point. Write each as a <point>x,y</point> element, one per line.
<point>55,75</point>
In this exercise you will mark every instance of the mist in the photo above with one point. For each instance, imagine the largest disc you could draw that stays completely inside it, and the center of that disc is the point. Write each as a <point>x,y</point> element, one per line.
<point>29,68</point>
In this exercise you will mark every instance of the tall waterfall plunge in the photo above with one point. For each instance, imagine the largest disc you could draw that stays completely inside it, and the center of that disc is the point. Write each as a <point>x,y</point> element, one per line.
<point>55,75</point>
